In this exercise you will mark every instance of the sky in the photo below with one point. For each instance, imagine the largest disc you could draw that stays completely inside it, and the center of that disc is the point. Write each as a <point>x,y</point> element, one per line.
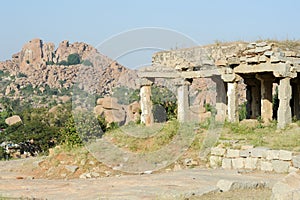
<point>121,28</point>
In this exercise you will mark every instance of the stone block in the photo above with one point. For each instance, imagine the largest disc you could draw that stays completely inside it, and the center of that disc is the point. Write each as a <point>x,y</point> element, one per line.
<point>285,155</point>
<point>238,163</point>
<point>296,161</point>
<point>280,166</point>
<point>252,60</point>
<point>233,153</point>
<point>259,152</point>
<point>215,161</point>
<point>287,188</point>
<point>251,163</point>
<point>245,153</point>
<point>226,163</point>
<point>266,166</point>
<point>245,147</point>
<point>217,151</point>
<point>272,155</point>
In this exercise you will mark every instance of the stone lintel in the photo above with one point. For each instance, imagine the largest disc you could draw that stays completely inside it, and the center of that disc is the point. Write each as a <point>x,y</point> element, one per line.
<point>262,67</point>
<point>145,81</point>
<point>158,74</point>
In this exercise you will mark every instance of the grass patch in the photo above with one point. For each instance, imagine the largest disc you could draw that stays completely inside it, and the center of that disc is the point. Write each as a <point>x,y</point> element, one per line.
<point>260,135</point>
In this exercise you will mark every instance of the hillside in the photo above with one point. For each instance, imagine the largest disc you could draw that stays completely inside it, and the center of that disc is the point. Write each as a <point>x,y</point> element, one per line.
<point>43,67</point>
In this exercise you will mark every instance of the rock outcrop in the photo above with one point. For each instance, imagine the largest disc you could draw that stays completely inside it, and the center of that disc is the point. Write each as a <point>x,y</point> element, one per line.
<point>38,64</point>
<point>13,120</point>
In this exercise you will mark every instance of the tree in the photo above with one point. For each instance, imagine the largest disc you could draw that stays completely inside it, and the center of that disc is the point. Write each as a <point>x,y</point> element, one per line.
<point>73,59</point>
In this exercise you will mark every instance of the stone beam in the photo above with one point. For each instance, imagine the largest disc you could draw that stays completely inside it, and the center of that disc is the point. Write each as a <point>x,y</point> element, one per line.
<point>262,67</point>
<point>284,113</point>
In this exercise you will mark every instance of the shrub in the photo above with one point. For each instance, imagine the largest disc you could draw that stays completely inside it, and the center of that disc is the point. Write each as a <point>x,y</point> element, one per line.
<point>87,63</point>
<point>63,62</point>
<point>50,63</point>
<point>73,59</point>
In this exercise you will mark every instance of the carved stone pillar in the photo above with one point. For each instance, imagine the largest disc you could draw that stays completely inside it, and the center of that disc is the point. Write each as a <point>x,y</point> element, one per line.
<point>232,95</point>
<point>266,97</point>
<point>146,103</point>
<point>284,110</point>
<point>183,101</point>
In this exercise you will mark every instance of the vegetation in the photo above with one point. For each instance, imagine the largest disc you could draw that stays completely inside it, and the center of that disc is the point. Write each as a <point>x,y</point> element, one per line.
<point>126,95</point>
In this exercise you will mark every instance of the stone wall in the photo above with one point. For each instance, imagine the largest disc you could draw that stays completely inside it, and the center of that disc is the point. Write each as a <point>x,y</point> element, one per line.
<point>249,158</point>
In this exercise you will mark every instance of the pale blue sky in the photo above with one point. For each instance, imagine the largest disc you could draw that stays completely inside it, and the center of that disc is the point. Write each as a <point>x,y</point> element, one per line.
<point>93,21</point>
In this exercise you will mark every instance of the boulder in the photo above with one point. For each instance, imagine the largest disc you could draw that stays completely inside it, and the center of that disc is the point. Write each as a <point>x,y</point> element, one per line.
<point>288,188</point>
<point>13,120</point>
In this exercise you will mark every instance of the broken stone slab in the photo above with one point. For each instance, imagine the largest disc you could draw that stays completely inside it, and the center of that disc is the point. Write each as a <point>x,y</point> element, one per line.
<point>228,185</point>
<point>262,49</point>
<point>233,61</point>
<point>262,58</point>
<point>268,53</point>
<point>280,166</point>
<point>288,188</point>
<point>285,155</point>
<point>261,44</point>
<point>245,153</point>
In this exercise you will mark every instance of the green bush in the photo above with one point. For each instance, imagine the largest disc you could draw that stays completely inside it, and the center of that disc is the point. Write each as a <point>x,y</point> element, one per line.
<point>243,111</point>
<point>126,95</point>
<point>50,63</point>
<point>63,62</point>
<point>74,59</point>
<point>87,63</point>
<point>21,75</point>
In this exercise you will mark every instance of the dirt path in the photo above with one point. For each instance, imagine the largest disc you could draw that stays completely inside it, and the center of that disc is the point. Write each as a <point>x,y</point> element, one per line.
<point>16,181</point>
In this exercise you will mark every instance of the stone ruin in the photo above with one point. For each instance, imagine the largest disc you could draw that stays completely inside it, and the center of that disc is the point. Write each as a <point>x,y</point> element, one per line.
<point>261,66</point>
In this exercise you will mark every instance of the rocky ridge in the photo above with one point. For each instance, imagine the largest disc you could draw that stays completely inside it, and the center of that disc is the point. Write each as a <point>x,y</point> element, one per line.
<point>38,64</point>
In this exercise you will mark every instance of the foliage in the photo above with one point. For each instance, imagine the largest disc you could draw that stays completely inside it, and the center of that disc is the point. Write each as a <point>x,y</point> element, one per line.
<point>73,59</point>
<point>21,75</point>
<point>50,63</point>
<point>69,135</point>
<point>165,98</point>
<point>243,111</point>
<point>87,63</point>
<point>126,95</point>
<point>63,62</point>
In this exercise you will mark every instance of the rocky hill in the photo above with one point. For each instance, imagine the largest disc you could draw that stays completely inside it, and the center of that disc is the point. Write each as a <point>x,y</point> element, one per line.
<point>41,66</point>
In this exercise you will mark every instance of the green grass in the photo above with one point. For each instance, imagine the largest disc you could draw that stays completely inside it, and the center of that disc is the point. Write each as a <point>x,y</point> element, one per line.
<point>264,135</point>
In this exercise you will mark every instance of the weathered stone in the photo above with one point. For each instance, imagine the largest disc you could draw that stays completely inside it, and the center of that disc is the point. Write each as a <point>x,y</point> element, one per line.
<point>285,155</point>
<point>228,185</point>
<point>251,163</point>
<point>217,151</point>
<point>262,59</point>
<point>268,53</point>
<point>261,44</point>
<point>146,105</point>
<point>253,60</point>
<point>221,63</point>
<point>226,163</point>
<point>215,161</point>
<point>232,102</point>
<point>296,161</point>
<point>13,120</point>
<point>287,188</point>
<point>260,152</point>
<point>280,166</point>
<point>266,166</point>
<point>272,155</point>
<point>245,153</point>
<point>246,147</point>
<point>225,185</point>
<point>183,102</point>
<point>284,110</point>
<point>71,168</point>
<point>238,163</point>
<point>233,61</point>
<point>233,153</point>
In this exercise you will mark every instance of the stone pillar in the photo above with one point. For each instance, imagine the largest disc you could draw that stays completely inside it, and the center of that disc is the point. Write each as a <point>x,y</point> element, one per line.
<point>232,95</point>
<point>284,114</point>
<point>146,103</point>
<point>221,104</point>
<point>266,97</point>
<point>183,101</point>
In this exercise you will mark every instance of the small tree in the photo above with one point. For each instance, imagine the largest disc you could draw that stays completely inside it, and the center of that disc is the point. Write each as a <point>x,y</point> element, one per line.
<point>73,59</point>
